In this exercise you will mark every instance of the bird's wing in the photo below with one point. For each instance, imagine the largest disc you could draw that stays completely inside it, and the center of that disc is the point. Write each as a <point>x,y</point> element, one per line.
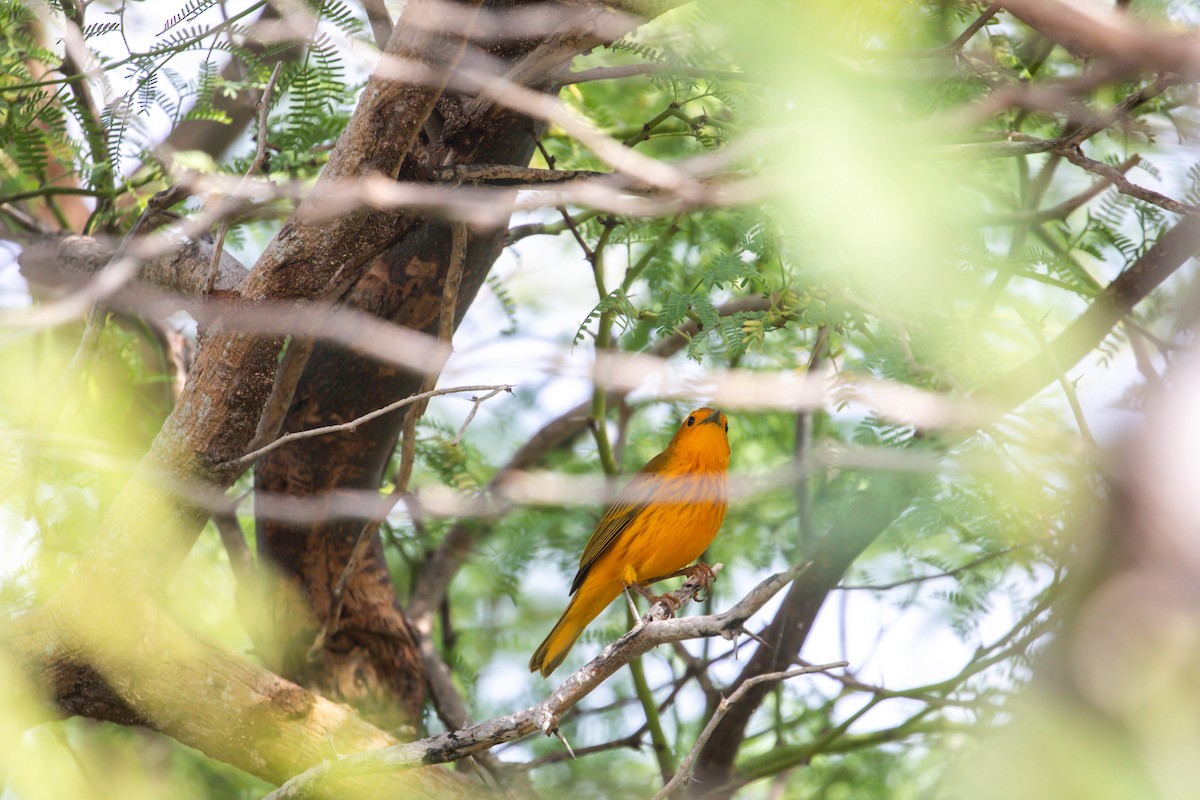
<point>631,502</point>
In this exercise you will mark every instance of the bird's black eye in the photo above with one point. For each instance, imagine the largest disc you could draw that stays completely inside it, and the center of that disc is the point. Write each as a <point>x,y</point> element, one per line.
<point>691,421</point>
<point>727,427</point>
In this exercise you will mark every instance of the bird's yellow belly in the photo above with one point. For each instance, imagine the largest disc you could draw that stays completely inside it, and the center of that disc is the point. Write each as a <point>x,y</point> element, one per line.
<point>662,541</point>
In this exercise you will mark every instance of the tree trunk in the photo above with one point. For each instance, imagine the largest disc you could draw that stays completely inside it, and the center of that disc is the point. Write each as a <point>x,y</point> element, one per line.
<point>371,659</point>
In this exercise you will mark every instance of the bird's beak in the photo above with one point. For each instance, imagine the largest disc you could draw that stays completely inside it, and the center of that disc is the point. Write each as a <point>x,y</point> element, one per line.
<point>713,417</point>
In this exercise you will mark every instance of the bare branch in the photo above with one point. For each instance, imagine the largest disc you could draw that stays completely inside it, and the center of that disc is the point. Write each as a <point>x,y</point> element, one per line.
<point>1074,154</point>
<point>507,175</point>
<point>684,773</point>
<point>381,21</point>
<point>975,562</point>
<point>545,715</point>
<point>260,156</point>
<point>1066,207</point>
<point>1064,382</point>
<point>240,560</point>
<point>58,263</point>
<point>353,424</point>
<point>73,66</point>
<point>476,402</point>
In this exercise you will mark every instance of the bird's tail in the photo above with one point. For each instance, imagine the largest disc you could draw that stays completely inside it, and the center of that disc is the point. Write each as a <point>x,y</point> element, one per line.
<point>584,607</point>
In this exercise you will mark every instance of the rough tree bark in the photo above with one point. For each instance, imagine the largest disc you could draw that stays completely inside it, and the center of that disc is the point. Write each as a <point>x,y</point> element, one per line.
<point>217,417</point>
<point>371,659</point>
<point>150,526</point>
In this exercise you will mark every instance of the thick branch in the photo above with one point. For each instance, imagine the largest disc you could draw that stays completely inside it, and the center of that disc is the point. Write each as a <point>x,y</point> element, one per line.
<point>120,661</point>
<point>507,175</point>
<point>1099,33</point>
<point>66,262</point>
<point>227,388</point>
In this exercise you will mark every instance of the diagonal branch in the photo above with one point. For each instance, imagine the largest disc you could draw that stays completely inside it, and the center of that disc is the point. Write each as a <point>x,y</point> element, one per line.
<point>683,775</point>
<point>1114,175</point>
<point>354,424</point>
<point>655,629</point>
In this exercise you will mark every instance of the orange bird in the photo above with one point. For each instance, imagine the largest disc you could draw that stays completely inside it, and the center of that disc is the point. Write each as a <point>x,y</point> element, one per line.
<point>661,522</point>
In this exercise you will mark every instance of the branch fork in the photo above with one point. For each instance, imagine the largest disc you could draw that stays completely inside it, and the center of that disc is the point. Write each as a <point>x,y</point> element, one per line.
<point>664,606</point>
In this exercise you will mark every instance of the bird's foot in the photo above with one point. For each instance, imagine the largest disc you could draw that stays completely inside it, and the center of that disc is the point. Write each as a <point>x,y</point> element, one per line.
<point>702,575</point>
<point>670,601</point>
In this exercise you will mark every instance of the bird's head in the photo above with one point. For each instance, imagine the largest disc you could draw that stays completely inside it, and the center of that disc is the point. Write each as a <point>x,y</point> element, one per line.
<point>703,438</point>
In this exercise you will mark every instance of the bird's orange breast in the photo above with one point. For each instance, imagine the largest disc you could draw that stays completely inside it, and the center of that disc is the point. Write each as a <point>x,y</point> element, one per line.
<point>667,535</point>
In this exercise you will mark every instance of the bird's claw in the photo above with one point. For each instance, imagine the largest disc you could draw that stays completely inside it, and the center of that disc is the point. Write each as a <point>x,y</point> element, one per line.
<point>670,601</point>
<point>703,576</point>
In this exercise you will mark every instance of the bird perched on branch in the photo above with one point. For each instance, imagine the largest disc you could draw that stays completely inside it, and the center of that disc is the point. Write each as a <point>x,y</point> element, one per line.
<point>661,522</point>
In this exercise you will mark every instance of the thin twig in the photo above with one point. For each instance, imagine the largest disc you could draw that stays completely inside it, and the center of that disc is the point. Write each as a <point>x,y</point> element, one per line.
<point>73,68</point>
<point>518,232</point>
<point>569,221</point>
<point>1142,358</point>
<point>973,28</point>
<point>942,50</point>
<point>1074,154</point>
<point>31,223</point>
<point>240,560</point>
<point>683,774</point>
<point>1063,381</point>
<point>260,155</point>
<point>924,694</point>
<point>476,402</point>
<point>632,741</point>
<point>658,737</point>
<point>975,562</point>
<point>354,424</point>
<point>599,421</point>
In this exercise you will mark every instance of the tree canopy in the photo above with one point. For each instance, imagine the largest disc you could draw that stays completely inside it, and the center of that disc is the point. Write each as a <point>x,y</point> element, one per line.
<point>330,329</point>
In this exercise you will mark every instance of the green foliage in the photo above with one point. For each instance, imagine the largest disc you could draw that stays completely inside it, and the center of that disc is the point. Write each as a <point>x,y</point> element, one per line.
<point>38,122</point>
<point>507,304</point>
<point>873,256</point>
